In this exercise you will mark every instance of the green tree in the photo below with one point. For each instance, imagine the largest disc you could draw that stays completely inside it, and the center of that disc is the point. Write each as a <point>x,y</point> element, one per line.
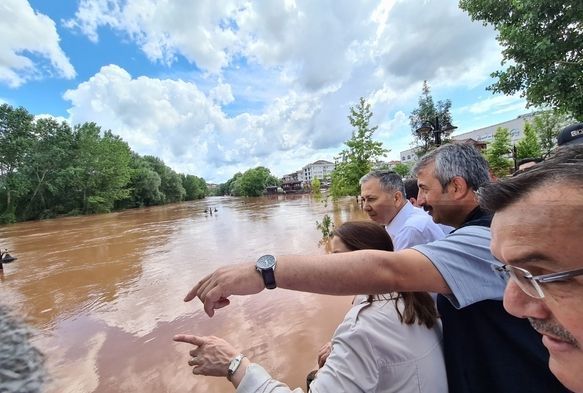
<point>171,183</point>
<point>254,181</point>
<point>316,186</point>
<point>426,112</point>
<point>101,168</point>
<point>528,146</point>
<point>194,186</point>
<point>542,54</point>
<point>547,125</point>
<point>497,153</point>
<point>360,153</point>
<point>16,140</point>
<point>45,167</point>
<point>402,169</point>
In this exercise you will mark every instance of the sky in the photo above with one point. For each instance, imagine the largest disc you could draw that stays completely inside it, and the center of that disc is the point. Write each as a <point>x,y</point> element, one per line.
<point>218,87</point>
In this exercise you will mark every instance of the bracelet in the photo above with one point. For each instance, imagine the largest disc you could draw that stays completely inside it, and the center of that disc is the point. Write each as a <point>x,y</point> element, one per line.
<point>234,365</point>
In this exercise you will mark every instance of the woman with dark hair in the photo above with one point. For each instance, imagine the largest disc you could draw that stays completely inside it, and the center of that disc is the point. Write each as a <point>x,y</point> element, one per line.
<point>386,343</point>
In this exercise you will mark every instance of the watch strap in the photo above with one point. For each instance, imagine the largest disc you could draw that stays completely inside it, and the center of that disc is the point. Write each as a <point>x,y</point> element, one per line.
<point>268,278</point>
<point>234,365</point>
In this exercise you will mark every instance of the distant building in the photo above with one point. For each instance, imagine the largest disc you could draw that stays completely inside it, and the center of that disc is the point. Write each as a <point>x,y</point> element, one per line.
<point>292,182</point>
<point>482,136</point>
<point>298,181</point>
<point>320,169</point>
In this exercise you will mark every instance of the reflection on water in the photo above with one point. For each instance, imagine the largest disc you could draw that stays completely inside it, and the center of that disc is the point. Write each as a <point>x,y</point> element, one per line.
<point>105,292</point>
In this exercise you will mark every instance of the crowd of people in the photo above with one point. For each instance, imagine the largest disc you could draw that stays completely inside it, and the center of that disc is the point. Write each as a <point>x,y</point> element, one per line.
<point>508,279</point>
<point>462,284</point>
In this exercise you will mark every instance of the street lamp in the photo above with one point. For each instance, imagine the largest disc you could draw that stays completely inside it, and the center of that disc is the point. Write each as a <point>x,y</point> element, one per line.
<point>514,157</point>
<point>435,128</point>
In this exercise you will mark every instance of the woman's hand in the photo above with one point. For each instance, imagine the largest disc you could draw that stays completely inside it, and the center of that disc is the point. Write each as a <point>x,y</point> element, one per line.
<point>212,355</point>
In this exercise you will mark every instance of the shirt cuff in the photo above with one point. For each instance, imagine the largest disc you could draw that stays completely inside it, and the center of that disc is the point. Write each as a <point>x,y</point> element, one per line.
<point>255,376</point>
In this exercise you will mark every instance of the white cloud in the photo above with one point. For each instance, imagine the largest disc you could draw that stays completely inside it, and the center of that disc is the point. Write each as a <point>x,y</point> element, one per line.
<point>177,122</point>
<point>199,31</point>
<point>496,104</point>
<point>277,78</point>
<point>28,38</point>
<point>58,119</point>
<point>222,94</point>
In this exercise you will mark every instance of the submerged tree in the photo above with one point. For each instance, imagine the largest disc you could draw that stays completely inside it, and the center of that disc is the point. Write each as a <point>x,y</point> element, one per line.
<point>361,152</point>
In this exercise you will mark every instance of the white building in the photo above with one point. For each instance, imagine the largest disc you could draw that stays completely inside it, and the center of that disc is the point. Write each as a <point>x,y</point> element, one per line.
<point>486,134</point>
<point>320,169</point>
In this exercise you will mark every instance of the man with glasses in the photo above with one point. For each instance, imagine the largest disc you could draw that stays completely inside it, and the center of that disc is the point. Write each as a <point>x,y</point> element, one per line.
<point>537,232</point>
<point>486,349</point>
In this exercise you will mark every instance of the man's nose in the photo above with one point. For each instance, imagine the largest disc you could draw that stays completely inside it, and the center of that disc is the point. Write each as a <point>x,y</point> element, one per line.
<point>521,305</point>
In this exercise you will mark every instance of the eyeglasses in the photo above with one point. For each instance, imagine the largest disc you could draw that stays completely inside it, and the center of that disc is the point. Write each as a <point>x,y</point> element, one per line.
<point>531,285</point>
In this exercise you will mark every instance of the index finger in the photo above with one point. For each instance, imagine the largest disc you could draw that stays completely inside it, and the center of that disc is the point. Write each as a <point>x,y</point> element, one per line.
<point>189,339</point>
<point>192,294</point>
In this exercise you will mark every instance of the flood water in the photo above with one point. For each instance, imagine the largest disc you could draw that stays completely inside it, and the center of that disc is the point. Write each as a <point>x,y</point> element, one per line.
<point>104,293</point>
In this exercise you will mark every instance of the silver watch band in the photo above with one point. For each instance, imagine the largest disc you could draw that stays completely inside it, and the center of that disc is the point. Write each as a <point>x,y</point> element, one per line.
<point>234,365</point>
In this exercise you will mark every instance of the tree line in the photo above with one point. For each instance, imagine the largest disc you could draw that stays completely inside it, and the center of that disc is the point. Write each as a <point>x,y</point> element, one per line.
<point>50,169</point>
<point>250,183</point>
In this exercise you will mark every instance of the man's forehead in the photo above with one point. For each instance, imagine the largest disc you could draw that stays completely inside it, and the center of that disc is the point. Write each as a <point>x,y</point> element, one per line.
<point>372,183</point>
<point>426,174</point>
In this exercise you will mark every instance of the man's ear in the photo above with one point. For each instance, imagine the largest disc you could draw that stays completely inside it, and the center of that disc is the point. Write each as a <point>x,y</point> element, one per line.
<point>398,196</point>
<point>459,186</point>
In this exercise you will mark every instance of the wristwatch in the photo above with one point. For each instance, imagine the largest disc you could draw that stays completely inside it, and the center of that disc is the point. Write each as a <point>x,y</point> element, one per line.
<point>234,365</point>
<point>266,266</point>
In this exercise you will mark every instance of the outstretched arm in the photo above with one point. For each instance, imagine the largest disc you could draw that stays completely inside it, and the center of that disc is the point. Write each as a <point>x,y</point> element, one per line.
<point>351,273</point>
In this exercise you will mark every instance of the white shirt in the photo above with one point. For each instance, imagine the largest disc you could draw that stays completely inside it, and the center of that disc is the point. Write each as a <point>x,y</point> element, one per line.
<point>372,351</point>
<point>412,226</point>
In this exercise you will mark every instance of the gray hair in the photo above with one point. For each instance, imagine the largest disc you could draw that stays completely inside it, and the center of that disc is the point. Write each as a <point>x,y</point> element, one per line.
<point>390,181</point>
<point>456,159</point>
<point>21,365</point>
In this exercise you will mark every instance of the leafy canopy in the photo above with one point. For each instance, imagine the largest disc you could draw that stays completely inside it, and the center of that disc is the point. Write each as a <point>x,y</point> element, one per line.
<point>426,112</point>
<point>498,151</point>
<point>543,49</point>
<point>528,146</point>
<point>360,153</point>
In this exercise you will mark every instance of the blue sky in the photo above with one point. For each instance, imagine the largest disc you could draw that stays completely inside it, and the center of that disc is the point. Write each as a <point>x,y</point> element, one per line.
<point>214,88</point>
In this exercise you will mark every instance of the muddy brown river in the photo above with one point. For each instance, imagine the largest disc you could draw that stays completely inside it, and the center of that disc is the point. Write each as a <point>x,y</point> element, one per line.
<point>104,293</point>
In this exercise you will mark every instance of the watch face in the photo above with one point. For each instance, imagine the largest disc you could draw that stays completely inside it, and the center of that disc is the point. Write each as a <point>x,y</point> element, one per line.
<point>265,262</point>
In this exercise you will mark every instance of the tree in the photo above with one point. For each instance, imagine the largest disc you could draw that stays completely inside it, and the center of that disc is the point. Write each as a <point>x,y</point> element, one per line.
<point>316,186</point>
<point>254,181</point>
<point>428,112</point>
<point>547,125</point>
<point>528,146</point>
<point>194,186</point>
<point>45,167</point>
<point>100,172</point>
<point>170,182</point>
<point>360,153</point>
<point>497,153</point>
<point>402,169</point>
<point>16,139</point>
<point>542,43</point>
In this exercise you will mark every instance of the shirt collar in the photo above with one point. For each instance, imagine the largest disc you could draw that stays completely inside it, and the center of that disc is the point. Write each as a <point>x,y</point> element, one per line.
<point>400,218</point>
